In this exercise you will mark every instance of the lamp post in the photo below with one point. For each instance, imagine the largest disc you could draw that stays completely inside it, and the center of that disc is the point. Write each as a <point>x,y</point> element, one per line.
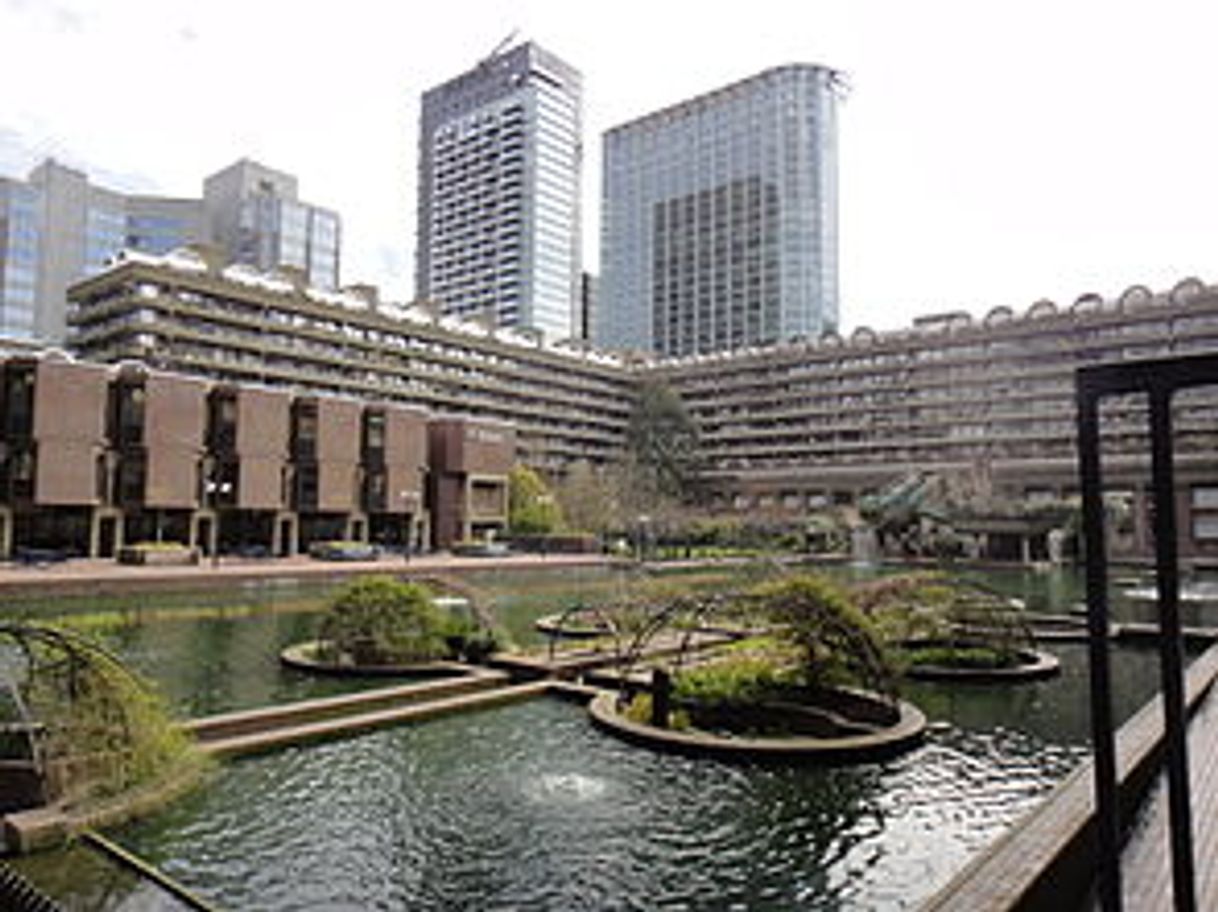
<point>216,488</point>
<point>644,520</point>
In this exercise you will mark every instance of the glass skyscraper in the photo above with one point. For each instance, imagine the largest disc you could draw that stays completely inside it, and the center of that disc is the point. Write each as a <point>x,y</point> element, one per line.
<point>19,247</point>
<point>499,187</point>
<point>253,213</point>
<point>57,227</point>
<point>719,218</point>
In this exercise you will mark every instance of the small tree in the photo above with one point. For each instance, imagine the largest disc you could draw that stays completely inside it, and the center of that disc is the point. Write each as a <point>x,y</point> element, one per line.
<point>588,498</point>
<point>102,728</point>
<point>378,620</point>
<point>662,441</point>
<point>532,509</point>
<point>835,640</point>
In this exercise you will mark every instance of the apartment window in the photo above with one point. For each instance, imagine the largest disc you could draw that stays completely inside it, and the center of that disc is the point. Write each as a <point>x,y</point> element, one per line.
<point>18,402</point>
<point>128,430</point>
<point>132,472</point>
<point>1205,498</point>
<point>304,431</point>
<point>306,488</point>
<point>21,475</point>
<point>222,422</point>
<point>374,436</point>
<point>1205,528</point>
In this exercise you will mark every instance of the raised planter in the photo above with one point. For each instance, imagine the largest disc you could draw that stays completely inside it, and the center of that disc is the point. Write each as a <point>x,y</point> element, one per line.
<point>158,555</point>
<point>904,732</point>
<point>576,626</point>
<point>303,657</point>
<point>1034,665</point>
<point>344,551</point>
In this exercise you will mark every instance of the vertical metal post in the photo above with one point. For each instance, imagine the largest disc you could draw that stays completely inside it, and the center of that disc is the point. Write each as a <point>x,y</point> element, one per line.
<point>1171,651</point>
<point>1108,827</point>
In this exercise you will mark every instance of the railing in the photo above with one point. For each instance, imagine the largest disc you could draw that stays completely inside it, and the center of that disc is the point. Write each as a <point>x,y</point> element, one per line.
<point>1159,380</point>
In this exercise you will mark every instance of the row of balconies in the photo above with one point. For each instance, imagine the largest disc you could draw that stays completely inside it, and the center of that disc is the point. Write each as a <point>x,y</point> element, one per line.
<point>570,427</point>
<point>88,435</point>
<point>559,377</point>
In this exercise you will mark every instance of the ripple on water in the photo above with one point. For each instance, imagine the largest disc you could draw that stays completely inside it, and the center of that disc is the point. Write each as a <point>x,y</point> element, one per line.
<point>530,807</point>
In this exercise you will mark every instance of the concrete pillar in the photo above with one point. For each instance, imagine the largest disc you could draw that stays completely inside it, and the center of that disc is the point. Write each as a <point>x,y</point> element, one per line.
<point>94,532</point>
<point>96,520</point>
<point>467,498</point>
<point>6,533</point>
<point>421,531</point>
<point>278,532</point>
<point>1025,549</point>
<point>356,528</point>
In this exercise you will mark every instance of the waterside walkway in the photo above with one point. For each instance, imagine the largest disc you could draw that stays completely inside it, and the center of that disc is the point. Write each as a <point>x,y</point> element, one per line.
<point>104,577</point>
<point>1047,860</point>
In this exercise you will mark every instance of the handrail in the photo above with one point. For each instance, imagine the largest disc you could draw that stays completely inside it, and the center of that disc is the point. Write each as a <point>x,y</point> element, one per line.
<point>1159,380</point>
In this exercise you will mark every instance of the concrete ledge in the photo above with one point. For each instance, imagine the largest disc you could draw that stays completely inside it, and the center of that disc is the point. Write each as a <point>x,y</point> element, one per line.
<point>1036,665</point>
<point>1047,860</point>
<point>345,726</point>
<point>905,733</point>
<point>583,629</point>
<point>51,826</point>
<point>299,657</point>
<point>301,712</point>
<point>36,829</point>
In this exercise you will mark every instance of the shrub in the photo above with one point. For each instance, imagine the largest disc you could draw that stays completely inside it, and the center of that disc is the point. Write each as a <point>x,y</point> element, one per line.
<point>105,729</point>
<point>639,710</point>
<point>737,677</point>
<point>837,643</point>
<point>972,656</point>
<point>378,620</point>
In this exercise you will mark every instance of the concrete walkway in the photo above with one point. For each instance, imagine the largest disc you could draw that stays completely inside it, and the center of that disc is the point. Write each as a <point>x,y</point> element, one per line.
<point>86,576</point>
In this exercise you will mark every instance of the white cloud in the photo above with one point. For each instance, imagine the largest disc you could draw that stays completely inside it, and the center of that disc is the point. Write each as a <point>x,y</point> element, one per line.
<point>991,154</point>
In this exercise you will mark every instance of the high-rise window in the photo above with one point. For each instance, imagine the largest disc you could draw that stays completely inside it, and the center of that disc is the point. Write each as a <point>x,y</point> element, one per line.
<point>719,218</point>
<point>499,172</point>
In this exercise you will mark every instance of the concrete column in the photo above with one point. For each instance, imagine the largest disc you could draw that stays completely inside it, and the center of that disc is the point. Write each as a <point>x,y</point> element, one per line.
<point>1025,549</point>
<point>421,531</point>
<point>278,545</point>
<point>355,520</point>
<point>96,520</point>
<point>467,499</point>
<point>6,533</point>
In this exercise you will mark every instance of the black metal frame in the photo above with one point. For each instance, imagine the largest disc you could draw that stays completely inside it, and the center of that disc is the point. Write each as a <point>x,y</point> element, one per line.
<point>1159,380</point>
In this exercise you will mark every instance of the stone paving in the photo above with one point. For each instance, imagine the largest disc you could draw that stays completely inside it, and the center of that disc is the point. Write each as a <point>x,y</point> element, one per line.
<point>108,576</point>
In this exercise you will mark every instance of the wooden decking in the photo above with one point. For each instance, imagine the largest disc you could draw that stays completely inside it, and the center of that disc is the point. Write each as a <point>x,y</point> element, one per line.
<point>1146,880</point>
<point>1047,860</point>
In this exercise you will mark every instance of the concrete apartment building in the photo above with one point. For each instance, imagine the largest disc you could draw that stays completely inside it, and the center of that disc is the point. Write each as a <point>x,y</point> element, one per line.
<point>500,156</point>
<point>98,456</point>
<point>190,313</point>
<point>803,425</point>
<point>719,218</point>
<point>57,227</point>
<point>783,429</point>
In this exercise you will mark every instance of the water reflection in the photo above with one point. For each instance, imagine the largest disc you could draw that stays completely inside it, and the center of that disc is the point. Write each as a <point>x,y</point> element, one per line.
<point>530,807</point>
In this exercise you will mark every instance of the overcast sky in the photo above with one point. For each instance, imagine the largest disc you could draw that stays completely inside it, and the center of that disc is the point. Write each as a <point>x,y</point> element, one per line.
<point>990,153</point>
